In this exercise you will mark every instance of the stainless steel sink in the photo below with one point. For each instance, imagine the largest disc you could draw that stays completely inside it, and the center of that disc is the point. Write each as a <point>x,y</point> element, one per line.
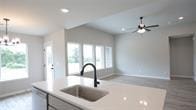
<point>87,93</point>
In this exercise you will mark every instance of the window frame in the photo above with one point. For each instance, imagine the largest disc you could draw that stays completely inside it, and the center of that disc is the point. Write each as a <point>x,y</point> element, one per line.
<point>103,47</point>
<point>27,66</point>
<point>111,57</point>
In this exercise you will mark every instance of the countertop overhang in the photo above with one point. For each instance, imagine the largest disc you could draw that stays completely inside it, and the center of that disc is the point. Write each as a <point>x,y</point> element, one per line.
<point>120,97</point>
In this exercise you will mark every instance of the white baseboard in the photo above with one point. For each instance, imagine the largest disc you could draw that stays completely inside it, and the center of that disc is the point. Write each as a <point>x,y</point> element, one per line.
<point>106,76</point>
<point>182,76</point>
<point>144,76</point>
<point>14,93</point>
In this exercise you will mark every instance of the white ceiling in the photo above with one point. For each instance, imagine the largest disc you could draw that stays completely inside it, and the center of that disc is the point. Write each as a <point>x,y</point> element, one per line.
<point>40,17</point>
<point>163,12</point>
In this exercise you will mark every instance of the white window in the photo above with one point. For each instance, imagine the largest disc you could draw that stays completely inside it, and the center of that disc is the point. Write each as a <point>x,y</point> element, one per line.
<point>99,57</point>
<point>14,63</point>
<point>80,54</point>
<point>73,58</point>
<point>88,56</point>
<point>108,57</point>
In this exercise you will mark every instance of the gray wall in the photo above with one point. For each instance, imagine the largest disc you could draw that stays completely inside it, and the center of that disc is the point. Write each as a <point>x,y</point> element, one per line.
<point>35,68</point>
<point>82,35</point>
<point>194,50</point>
<point>86,35</point>
<point>58,44</point>
<point>181,56</point>
<point>147,55</point>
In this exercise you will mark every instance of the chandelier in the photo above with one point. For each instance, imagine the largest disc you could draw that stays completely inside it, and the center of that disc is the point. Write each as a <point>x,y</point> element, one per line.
<point>5,40</point>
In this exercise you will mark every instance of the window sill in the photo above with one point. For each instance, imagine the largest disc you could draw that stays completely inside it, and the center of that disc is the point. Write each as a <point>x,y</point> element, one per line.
<point>74,74</point>
<point>12,80</point>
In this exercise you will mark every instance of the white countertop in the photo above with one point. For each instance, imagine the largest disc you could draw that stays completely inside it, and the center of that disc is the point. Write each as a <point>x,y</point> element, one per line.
<point>120,97</point>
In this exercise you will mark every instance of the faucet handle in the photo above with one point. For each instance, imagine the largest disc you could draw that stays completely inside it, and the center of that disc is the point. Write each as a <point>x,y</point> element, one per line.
<point>98,82</point>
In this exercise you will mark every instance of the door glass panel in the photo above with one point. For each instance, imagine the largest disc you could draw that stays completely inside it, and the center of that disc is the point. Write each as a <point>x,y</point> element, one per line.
<point>49,63</point>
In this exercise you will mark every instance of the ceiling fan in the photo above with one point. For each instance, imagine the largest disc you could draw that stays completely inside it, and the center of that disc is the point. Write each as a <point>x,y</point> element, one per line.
<point>142,28</point>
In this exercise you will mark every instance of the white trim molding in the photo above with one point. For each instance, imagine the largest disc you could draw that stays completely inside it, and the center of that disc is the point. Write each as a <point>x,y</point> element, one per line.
<point>14,93</point>
<point>106,76</point>
<point>182,76</point>
<point>145,76</point>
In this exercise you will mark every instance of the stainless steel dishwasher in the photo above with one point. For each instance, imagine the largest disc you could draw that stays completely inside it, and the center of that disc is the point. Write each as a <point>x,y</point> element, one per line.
<point>39,100</point>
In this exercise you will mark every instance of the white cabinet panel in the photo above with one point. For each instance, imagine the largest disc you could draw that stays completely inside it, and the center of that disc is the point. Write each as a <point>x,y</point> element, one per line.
<point>39,100</point>
<point>60,105</point>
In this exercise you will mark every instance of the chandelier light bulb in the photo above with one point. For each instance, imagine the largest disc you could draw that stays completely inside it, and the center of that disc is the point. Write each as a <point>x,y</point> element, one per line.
<point>17,40</point>
<point>13,41</point>
<point>5,38</point>
<point>1,40</point>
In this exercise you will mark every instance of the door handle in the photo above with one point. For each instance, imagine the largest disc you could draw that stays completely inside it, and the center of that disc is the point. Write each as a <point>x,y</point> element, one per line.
<point>52,67</point>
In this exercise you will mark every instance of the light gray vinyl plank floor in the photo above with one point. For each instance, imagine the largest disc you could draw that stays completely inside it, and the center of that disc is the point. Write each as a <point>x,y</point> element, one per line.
<point>17,102</point>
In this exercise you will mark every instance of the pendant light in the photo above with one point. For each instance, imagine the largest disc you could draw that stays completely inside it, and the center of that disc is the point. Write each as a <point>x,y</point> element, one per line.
<point>6,40</point>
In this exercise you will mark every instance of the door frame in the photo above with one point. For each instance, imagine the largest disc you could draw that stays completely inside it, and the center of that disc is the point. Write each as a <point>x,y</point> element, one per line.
<point>171,76</point>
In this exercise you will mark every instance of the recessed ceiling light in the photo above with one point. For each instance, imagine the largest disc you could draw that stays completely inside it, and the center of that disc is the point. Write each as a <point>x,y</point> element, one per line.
<point>122,29</point>
<point>64,10</point>
<point>181,18</point>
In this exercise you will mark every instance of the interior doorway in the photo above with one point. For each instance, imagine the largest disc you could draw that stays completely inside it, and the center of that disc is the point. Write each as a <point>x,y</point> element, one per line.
<point>49,66</point>
<point>181,56</point>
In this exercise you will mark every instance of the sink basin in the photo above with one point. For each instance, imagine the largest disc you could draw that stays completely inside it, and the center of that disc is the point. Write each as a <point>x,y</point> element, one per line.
<point>87,93</point>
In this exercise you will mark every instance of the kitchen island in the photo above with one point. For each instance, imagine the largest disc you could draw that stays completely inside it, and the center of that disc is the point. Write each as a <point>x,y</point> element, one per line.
<point>115,96</point>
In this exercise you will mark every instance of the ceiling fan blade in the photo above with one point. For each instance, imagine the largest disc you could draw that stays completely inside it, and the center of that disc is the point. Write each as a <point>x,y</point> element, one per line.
<point>147,29</point>
<point>134,31</point>
<point>152,26</point>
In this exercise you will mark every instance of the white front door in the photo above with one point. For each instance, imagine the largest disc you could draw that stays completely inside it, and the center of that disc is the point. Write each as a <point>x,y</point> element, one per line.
<point>49,66</point>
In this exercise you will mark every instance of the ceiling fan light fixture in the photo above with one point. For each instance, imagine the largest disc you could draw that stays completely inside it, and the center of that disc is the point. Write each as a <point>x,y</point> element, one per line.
<point>141,31</point>
<point>142,25</point>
